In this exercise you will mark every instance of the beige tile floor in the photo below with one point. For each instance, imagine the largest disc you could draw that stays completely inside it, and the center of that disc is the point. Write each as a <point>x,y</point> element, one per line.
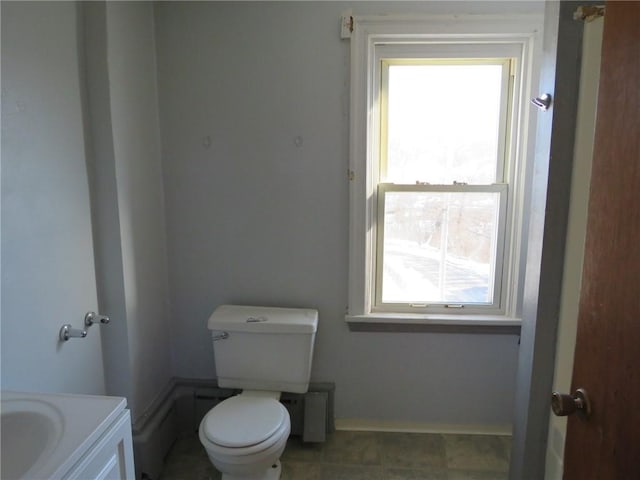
<point>367,456</point>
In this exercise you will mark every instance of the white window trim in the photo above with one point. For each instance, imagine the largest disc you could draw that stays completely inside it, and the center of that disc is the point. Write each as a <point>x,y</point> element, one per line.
<point>525,32</point>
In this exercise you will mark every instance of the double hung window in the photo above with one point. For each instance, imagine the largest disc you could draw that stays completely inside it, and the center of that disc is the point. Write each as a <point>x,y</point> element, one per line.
<point>437,170</point>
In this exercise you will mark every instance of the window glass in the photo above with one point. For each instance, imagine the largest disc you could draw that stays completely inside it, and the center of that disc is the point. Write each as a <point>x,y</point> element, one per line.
<point>442,122</point>
<point>439,247</point>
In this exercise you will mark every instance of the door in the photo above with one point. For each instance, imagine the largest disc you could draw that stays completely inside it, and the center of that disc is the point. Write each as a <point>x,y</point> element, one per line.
<point>48,276</point>
<point>607,359</point>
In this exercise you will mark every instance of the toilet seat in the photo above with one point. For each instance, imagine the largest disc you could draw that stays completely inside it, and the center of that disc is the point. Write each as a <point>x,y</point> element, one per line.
<point>244,425</point>
<point>264,451</point>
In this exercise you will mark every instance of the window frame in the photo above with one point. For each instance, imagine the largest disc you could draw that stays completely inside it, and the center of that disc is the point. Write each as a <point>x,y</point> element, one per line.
<point>374,38</point>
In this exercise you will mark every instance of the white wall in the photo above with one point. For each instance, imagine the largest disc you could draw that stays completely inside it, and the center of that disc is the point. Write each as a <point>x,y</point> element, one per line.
<point>48,276</point>
<point>63,139</point>
<point>253,217</point>
<point>134,113</point>
<point>130,206</point>
<point>250,217</point>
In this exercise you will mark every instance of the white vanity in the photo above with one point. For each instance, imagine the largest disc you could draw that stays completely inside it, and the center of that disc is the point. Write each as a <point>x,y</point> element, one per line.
<point>63,436</point>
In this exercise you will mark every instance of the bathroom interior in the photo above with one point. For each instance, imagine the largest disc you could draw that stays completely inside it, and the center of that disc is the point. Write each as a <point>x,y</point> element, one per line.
<point>160,159</point>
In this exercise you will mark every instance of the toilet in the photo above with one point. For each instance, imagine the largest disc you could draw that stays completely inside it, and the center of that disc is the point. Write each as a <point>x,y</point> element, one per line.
<point>264,351</point>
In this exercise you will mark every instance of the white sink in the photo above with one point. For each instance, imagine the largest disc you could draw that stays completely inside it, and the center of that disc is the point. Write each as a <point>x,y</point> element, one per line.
<point>30,431</point>
<point>43,435</point>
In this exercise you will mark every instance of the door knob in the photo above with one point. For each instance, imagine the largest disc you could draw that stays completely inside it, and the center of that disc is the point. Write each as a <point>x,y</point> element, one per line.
<point>564,404</point>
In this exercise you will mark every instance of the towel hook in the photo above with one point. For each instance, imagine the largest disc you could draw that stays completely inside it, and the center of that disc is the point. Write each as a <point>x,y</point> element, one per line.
<point>543,102</point>
<point>92,317</point>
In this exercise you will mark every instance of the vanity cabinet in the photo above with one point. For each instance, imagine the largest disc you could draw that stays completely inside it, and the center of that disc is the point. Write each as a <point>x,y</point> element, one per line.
<point>110,457</point>
<point>59,436</point>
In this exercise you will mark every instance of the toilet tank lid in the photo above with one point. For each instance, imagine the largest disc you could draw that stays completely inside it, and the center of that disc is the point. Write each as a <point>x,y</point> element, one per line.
<point>242,318</point>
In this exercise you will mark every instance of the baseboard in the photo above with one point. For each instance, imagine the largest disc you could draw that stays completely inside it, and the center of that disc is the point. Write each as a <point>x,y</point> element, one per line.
<point>153,436</point>
<point>162,422</point>
<point>161,402</point>
<point>368,425</point>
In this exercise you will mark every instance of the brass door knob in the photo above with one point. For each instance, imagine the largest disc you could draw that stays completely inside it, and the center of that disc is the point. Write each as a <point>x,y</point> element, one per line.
<point>564,404</point>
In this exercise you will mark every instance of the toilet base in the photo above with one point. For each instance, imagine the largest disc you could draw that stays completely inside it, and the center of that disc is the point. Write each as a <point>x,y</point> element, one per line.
<point>272,473</point>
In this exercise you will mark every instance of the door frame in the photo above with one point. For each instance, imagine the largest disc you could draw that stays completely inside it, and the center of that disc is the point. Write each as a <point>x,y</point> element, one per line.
<point>549,208</point>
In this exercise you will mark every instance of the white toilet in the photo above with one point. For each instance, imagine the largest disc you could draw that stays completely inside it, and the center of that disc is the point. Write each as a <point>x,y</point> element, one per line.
<point>263,351</point>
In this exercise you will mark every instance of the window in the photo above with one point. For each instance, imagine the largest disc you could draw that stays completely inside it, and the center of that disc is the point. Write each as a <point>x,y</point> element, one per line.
<point>438,173</point>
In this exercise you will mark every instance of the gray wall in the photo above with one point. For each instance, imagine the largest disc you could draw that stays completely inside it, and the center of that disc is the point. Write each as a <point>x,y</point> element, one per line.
<point>255,217</point>
<point>48,276</point>
<point>252,216</point>
<point>129,202</point>
<point>81,153</point>
<point>134,113</point>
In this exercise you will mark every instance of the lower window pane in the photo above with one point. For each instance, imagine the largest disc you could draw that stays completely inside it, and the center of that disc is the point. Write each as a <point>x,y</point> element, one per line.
<point>439,247</point>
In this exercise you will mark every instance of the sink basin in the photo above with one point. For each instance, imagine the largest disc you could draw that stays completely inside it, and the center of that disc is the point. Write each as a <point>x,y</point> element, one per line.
<point>30,430</point>
<point>44,435</point>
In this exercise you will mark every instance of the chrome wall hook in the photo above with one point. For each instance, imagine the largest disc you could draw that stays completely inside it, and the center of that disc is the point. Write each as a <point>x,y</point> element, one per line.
<point>92,317</point>
<point>543,102</point>
<point>67,332</point>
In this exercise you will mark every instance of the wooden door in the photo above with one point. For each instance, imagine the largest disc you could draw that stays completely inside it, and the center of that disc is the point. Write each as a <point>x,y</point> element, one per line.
<point>606,445</point>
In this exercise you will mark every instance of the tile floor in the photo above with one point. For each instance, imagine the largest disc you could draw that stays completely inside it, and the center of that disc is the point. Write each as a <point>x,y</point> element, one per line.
<point>367,456</point>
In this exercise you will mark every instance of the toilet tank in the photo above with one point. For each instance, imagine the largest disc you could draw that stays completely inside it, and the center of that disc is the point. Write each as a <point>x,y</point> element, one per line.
<point>263,348</point>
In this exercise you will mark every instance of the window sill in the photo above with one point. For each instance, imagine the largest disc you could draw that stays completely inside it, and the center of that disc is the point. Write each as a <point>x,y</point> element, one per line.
<point>398,322</point>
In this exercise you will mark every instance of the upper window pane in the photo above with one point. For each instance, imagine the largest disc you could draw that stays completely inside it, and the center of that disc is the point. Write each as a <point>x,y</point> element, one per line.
<point>442,121</point>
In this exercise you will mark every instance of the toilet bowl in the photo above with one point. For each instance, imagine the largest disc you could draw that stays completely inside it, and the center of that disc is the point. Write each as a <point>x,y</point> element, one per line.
<point>245,435</point>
